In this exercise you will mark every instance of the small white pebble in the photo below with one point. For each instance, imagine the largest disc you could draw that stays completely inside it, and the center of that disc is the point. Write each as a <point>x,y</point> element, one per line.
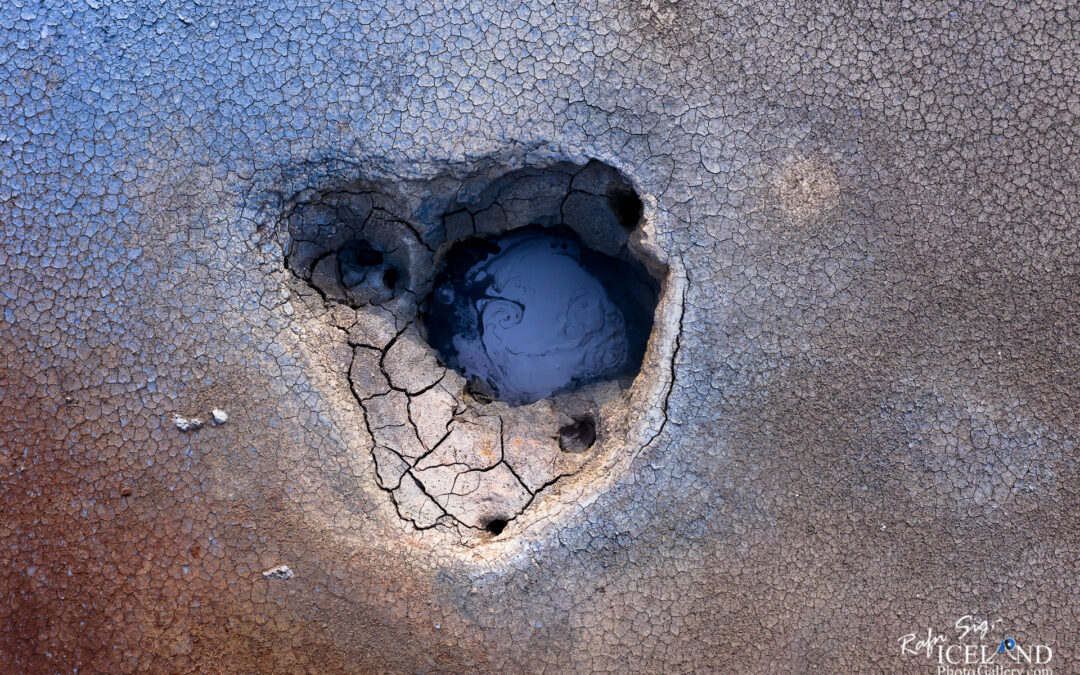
<point>279,572</point>
<point>187,424</point>
<point>220,416</point>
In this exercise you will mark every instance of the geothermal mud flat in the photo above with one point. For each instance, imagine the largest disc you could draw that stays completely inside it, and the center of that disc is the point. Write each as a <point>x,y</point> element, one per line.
<point>810,382</point>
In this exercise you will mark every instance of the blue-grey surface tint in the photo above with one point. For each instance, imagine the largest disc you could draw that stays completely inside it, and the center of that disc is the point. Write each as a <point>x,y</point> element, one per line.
<point>534,312</point>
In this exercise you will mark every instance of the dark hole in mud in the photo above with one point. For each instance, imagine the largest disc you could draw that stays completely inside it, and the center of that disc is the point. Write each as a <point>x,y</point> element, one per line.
<point>364,272</point>
<point>534,312</point>
<point>495,526</point>
<point>627,207</point>
<point>355,257</point>
<point>578,436</point>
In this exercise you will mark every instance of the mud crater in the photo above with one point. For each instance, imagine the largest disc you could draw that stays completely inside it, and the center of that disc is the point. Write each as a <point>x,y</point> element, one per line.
<point>498,322</point>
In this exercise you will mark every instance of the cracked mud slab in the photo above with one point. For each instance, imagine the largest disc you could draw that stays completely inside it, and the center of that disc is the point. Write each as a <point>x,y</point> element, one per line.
<point>860,418</point>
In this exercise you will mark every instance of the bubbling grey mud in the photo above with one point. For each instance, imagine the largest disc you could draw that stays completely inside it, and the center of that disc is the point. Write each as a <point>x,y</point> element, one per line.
<point>498,327</point>
<point>534,312</point>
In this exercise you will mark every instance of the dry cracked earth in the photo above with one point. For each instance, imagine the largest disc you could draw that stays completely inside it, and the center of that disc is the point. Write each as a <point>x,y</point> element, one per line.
<point>231,442</point>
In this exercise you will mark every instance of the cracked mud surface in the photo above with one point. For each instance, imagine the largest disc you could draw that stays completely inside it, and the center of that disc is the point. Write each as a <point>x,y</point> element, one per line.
<point>857,417</point>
